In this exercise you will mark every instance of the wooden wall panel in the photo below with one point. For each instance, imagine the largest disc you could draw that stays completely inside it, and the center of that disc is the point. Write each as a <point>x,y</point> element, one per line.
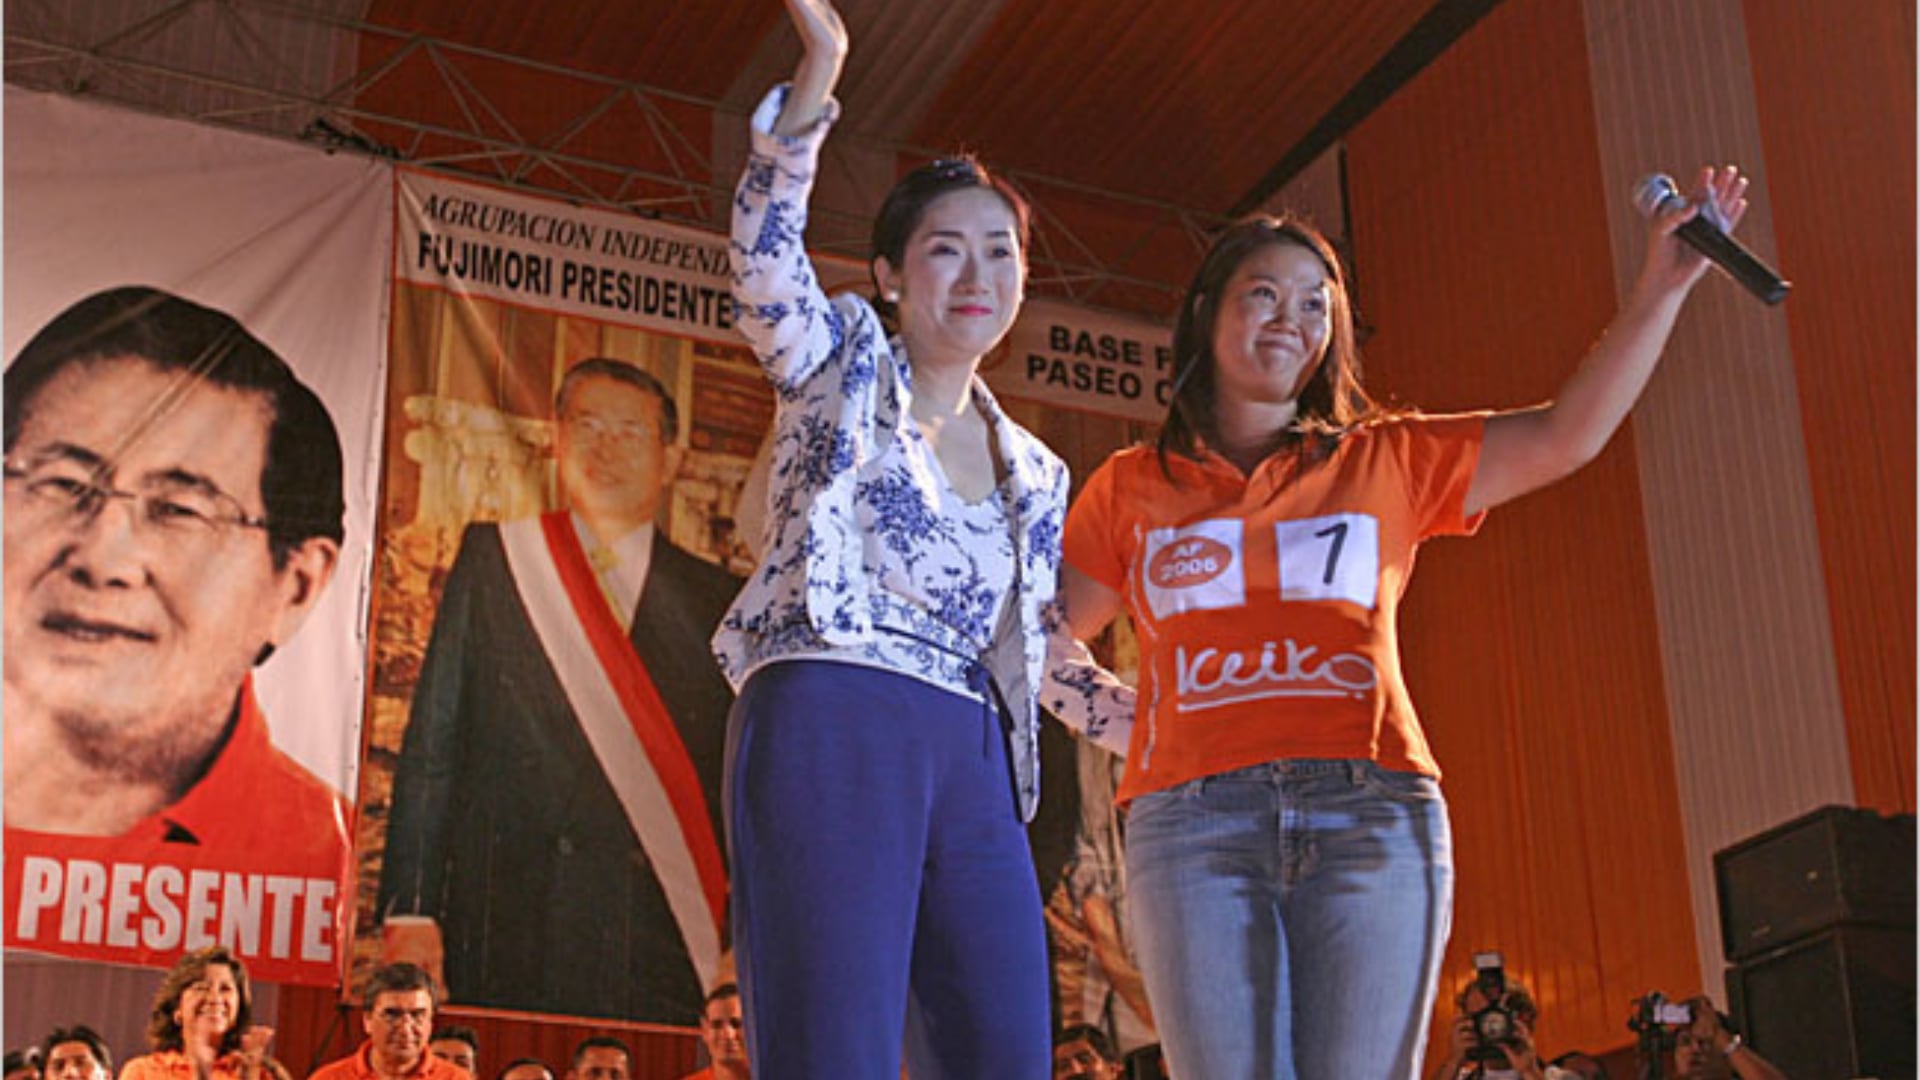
<point>1481,250</point>
<point>1835,98</point>
<point>1734,546</point>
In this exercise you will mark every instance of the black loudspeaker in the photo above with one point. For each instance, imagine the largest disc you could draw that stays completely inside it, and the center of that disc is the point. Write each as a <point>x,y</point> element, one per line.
<point>1834,865</point>
<point>1831,1006</point>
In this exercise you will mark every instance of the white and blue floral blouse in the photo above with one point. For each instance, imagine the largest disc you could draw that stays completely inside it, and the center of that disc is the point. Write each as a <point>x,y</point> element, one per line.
<point>944,573</point>
<point>844,390</point>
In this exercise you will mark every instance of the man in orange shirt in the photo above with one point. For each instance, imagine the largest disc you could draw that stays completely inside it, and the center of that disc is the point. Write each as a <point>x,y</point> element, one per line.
<point>400,999</point>
<point>723,1030</point>
<point>602,1057</point>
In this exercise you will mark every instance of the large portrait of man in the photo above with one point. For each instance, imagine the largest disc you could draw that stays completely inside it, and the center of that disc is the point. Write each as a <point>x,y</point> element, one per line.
<point>174,511</point>
<point>555,827</point>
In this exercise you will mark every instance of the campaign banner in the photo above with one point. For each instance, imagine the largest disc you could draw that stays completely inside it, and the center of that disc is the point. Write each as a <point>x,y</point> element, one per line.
<point>570,416</point>
<point>501,245</point>
<point>1088,360</point>
<point>194,338</point>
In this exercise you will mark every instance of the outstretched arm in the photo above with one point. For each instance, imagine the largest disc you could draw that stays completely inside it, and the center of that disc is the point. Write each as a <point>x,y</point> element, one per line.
<point>1530,448</point>
<point>823,38</point>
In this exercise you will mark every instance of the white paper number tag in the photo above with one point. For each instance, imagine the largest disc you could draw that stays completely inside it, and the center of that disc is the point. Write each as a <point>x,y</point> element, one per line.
<point>1336,557</point>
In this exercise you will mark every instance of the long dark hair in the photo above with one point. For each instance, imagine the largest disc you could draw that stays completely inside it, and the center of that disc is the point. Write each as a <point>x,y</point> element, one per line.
<point>1331,402</point>
<point>907,203</point>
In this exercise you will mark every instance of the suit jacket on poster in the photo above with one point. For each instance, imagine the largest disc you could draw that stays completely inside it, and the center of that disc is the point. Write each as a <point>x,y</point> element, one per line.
<point>504,827</point>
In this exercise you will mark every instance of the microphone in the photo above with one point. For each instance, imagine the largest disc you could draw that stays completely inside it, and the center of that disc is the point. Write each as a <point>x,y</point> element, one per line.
<point>1657,192</point>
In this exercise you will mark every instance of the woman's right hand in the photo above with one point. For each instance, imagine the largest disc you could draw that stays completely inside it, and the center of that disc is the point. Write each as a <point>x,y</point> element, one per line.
<point>821,28</point>
<point>253,1049</point>
<point>823,40</point>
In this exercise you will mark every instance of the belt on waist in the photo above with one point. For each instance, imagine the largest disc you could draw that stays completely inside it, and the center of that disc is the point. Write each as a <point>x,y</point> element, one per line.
<point>981,681</point>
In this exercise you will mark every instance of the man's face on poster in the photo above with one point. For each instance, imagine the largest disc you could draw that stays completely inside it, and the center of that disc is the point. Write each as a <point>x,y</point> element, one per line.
<point>617,459</point>
<point>140,588</point>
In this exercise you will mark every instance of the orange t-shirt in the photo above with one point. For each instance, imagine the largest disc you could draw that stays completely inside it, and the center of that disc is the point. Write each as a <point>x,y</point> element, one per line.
<point>359,1066</point>
<point>1265,604</point>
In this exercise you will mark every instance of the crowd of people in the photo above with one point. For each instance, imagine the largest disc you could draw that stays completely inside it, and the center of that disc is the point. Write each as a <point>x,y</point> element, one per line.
<point>1704,1047</point>
<point>202,1028</point>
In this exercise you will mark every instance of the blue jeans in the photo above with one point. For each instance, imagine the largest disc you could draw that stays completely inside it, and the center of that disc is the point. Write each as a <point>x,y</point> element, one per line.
<point>1290,918</point>
<point>882,882</point>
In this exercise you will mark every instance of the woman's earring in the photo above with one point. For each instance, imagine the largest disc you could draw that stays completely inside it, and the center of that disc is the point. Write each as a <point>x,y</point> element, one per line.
<point>893,296</point>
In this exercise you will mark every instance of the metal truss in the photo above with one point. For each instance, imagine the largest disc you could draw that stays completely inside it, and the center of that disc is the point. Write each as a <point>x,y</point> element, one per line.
<point>292,71</point>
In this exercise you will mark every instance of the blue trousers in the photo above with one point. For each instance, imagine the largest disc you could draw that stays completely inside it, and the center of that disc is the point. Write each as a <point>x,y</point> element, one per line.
<point>1290,918</point>
<point>883,888</point>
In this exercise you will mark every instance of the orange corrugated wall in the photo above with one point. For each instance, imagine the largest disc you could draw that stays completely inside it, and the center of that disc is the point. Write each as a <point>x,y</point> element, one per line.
<point>1483,266</point>
<point>1835,95</point>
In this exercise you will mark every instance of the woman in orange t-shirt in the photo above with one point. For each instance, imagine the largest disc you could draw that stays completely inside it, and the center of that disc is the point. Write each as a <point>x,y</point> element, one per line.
<point>202,1025</point>
<point>1289,863</point>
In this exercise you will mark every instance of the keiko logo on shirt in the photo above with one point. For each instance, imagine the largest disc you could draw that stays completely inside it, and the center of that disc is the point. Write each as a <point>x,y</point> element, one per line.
<point>1208,678</point>
<point>1197,567</point>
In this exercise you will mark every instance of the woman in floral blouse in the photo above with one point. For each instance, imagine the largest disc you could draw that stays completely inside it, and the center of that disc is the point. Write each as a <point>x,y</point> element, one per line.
<point>890,650</point>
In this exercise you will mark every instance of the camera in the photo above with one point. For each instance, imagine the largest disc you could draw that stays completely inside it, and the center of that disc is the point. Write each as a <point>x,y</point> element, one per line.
<point>1654,1013</point>
<point>1672,1014</point>
<point>1493,1022</point>
<point>1658,1021</point>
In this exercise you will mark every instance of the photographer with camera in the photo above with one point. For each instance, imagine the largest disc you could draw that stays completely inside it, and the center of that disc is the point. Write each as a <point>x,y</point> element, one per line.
<point>1492,1032</point>
<point>1706,1048</point>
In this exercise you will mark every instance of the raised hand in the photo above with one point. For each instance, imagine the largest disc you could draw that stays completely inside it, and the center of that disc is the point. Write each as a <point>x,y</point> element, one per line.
<point>1671,264</point>
<point>823,40</point>
<point>821,29</point>
<point>253,1049</point>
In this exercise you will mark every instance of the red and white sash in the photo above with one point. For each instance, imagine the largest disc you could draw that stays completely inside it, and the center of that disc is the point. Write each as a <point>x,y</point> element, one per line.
<point>627,724</point>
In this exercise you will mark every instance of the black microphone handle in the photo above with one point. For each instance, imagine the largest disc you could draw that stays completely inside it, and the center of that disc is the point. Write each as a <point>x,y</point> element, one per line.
<point>1739,263</point>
